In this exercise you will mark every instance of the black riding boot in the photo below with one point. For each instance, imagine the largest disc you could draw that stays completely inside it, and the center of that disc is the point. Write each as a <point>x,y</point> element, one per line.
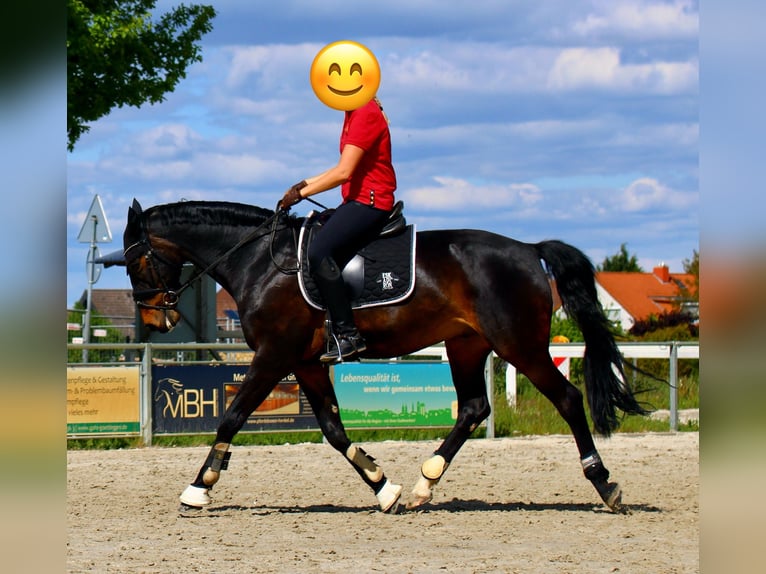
<point>344,342</point>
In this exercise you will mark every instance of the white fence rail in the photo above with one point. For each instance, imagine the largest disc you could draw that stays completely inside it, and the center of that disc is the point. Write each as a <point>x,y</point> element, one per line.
<point>671,351</point>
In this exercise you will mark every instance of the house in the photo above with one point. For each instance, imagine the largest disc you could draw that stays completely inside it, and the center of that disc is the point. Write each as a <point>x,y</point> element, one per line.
<point>227,316</point>
<point>628,297</point>
<point>226,308</point>
<point>117,306</point>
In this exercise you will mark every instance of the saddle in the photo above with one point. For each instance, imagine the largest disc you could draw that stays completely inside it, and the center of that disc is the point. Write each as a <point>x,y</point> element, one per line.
<point>381,273</point>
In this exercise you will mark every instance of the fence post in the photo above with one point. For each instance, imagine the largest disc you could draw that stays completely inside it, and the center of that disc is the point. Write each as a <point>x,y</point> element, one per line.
<point>673,386</point>
<point>510,385</point>
<point>489,378</point>
<point>146,402</point>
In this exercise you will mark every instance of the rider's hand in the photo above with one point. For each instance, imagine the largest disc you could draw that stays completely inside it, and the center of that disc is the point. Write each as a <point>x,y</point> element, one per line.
<point>292,196</point>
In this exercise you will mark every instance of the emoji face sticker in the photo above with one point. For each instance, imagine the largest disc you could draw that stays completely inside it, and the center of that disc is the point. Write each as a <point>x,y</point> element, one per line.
<point>345,75</point>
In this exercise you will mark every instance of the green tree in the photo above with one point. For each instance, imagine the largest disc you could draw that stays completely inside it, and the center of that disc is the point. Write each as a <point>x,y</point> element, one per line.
<point>621,261</point>
<point>119,53</point>
<point>692,267</point>
<point>566,327</point>
<point>113,335</point>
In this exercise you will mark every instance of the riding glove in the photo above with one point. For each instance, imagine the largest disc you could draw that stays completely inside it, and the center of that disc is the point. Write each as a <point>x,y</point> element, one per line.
<point>292,195</point>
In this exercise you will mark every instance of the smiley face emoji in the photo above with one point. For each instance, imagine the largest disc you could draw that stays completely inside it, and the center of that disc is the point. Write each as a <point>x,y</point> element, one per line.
<point>345,75</point>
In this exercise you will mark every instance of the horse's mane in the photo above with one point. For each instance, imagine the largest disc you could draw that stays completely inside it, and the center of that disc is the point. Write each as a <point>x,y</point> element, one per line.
<point>208,212</point>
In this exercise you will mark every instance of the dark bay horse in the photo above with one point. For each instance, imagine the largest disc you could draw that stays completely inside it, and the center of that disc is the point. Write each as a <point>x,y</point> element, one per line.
<point>477,291</point>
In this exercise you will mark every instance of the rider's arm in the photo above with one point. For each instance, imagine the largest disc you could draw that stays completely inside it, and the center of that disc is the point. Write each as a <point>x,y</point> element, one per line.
<point>336,175</point>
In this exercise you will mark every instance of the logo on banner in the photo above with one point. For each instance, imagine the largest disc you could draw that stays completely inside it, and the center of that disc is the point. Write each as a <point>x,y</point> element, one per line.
<point>185,403</point>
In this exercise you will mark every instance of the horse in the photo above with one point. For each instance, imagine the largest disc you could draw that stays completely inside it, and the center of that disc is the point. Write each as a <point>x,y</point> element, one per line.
<point>477,291</point>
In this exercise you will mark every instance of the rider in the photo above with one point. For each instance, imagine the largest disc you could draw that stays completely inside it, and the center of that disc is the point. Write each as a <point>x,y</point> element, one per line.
<point>368,181</point>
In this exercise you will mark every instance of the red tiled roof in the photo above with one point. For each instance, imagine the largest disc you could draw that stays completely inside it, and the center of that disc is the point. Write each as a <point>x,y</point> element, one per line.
<point>645,294</point>
<point>114,303</point>
<point>223,302</point>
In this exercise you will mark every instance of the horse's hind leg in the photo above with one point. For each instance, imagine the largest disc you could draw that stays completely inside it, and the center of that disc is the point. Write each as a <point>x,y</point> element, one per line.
<point>319,391</point>
<point>568,400</point>
<point>467,357</point>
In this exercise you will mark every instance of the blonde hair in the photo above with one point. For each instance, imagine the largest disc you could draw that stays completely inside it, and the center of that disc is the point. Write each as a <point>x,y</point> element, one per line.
<point>377,101</point>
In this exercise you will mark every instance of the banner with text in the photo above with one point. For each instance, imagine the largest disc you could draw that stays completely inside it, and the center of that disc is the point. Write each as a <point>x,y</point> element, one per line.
<point>193,398</point>
<point>103,400</point>
<point>385,395</point>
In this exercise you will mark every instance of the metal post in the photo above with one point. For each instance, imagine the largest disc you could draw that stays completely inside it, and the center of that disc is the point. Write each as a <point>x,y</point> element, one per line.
<point>88,300</point>
<point>146,395</point>
<point>673,386</point>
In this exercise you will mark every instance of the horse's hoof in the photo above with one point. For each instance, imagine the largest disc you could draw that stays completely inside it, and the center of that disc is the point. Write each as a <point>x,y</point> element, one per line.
<point>612,497</point>
<point>418,501</point>
<point>422,493</point>
<point>388,496</point>
<point>195,496</point>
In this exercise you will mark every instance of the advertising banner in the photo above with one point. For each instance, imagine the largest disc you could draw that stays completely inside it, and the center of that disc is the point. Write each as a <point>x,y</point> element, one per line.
<point>193,398</point>
<point>103,400</point>
<point>386,395</point>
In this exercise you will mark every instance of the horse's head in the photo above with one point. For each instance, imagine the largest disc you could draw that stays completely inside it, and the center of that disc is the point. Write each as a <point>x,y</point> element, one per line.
<point>168,387</point>
<point>154,270</point>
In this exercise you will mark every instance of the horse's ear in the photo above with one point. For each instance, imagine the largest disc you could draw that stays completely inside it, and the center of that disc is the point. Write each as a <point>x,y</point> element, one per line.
<point>135,218</point>
<point>134,213</point>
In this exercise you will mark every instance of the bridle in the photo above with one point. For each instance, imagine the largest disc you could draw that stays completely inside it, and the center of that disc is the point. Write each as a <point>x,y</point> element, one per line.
<point>171,297</point>
<point>143,247</point>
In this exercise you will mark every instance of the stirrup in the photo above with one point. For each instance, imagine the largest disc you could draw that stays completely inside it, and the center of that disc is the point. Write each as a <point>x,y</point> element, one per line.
<point>343,348</point>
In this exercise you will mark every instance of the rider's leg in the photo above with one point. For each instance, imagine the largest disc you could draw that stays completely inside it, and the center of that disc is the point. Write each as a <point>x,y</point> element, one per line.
<point>351,227</point>
<point>345,341</point>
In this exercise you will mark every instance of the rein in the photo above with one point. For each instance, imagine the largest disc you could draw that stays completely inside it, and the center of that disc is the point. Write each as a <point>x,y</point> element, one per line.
<point>171,297</point>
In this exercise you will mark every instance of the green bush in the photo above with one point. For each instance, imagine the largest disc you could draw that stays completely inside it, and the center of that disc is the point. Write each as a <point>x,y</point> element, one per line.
<point>77,315</point>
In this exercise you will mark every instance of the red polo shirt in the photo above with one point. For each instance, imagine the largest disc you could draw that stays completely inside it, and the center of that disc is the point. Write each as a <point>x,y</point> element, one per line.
<point>374,180</point>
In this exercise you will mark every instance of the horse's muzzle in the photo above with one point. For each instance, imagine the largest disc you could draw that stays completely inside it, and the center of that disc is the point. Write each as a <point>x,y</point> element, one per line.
<point>162,320</point>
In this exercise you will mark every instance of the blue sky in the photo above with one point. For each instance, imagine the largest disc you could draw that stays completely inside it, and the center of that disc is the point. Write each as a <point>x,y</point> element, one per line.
<point>574,120</point>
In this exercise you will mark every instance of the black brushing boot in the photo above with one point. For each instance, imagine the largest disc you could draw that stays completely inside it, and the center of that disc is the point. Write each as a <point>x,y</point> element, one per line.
<point>344,341</point>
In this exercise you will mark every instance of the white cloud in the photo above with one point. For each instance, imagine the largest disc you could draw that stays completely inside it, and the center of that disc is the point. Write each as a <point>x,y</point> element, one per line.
<point>481,69</point>
<point>475,67</point>
<point>277,111</point>
<point>547,129</point>
<point>601,68</point>
<point>242,169</point>
<point>679,18</point>
<point>647,193</point>
<point>166,140</point>
<point>667,136</point>
<point>455,194</point>
<point>273,65</point>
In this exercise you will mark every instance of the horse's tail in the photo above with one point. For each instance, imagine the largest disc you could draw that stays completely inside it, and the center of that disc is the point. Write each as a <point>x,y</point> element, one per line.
<point>605,381</point>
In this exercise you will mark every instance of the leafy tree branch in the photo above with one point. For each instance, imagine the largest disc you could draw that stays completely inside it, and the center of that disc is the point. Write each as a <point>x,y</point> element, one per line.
<point>119,53</point>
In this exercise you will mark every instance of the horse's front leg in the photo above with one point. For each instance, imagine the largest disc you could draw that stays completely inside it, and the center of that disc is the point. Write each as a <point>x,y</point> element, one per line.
<point>252,393</point>
<point>320,393</point>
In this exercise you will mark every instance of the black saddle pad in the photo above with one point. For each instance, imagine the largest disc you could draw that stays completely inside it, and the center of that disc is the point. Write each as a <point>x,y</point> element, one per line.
<point>382,273</point>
